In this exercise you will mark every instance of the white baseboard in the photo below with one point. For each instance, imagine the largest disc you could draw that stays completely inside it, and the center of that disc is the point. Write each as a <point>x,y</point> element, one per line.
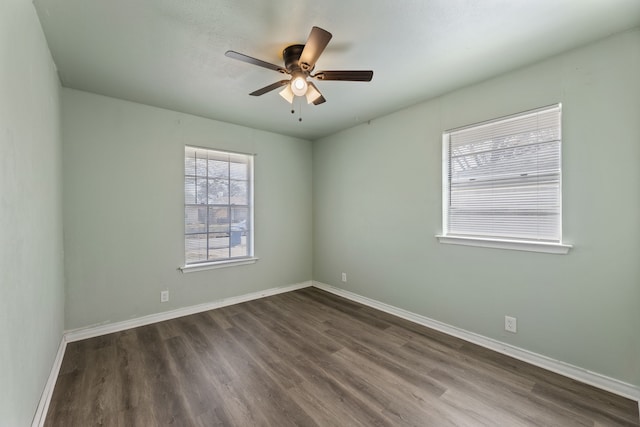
<point>575,372</point>
<point>45,399</point>
<point>95,331</point>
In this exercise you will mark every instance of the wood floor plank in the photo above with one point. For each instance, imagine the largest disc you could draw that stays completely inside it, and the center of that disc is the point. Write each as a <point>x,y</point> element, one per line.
<point>402,401</point>
<point>580,398</point>
<point>161,380</point>
<point>306,360</point>
<point>220,375</point>
<point>311,358</point>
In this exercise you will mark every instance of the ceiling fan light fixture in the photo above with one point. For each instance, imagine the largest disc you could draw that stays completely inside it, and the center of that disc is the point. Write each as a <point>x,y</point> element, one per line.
<point>299,85</point>
<point>312,94</point>
<point>287,94</point>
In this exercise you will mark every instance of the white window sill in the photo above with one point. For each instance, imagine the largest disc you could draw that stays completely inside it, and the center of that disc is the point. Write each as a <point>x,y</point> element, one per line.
<point>517,245</point>
<point>213,265</point>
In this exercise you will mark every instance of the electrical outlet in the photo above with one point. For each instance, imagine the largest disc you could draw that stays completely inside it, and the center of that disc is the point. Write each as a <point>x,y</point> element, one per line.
<point>510,324</point>
<point>344,277</point>
<point>164,296</point>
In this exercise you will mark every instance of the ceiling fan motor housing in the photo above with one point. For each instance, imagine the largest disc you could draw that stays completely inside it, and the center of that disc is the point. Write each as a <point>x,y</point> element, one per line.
<point>291,56</point>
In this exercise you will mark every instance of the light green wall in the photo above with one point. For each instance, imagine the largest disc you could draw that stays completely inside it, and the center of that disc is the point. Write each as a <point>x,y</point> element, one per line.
<point>31,267</point>
<point>124,214</point>
<point>377,206</point>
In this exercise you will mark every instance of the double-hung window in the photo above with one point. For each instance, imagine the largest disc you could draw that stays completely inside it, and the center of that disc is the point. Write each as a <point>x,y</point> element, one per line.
<point>502,183</point>
<point>218,206</point>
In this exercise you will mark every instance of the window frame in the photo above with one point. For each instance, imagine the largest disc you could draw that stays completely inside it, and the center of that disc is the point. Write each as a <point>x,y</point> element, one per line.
<point>207,264</point>
<point>511,243</point>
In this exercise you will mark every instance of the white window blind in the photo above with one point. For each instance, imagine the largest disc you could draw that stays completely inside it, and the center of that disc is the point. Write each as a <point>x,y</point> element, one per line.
<point>503,178</point>
<point>218,206</point>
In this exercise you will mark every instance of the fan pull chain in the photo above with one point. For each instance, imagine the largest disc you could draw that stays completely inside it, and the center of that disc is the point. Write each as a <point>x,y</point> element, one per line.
<point>299,109</point>
<point>293,111</point>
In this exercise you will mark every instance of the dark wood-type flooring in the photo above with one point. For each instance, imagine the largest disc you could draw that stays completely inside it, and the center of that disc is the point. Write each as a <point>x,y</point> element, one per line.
<point>310,358</point>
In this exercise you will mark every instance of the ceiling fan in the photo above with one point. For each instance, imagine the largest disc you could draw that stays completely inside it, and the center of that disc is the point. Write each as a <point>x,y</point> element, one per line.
<point>299,62</point>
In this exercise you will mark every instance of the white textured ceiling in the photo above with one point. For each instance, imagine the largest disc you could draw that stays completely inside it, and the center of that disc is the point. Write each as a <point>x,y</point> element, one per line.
<point>170,53</point>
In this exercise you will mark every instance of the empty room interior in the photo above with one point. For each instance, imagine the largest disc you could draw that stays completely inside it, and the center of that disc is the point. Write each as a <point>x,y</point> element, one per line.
<point>319,213</point>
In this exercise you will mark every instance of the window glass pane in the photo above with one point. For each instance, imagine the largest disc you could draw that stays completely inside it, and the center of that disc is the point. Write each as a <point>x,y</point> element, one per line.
<point>218,192</point>
<point>201,166</point>
<point>504,163</point>
<point>189,190</point>
<point>240,230</point>
<point>239,246</point>
<point>190,164</point>
<point>218,246</point>
<point>201,191</point>
<point>218,169</point>
<point>239,171</point>
<point>195,248</point>
<point>240,218</point>
<point>239,193</point>
<point>218,219</point>
<point>195,219</point>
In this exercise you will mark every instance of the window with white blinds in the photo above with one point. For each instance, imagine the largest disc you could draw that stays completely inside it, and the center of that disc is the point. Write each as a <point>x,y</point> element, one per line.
<point>218,206</point>
<point>502,179</point>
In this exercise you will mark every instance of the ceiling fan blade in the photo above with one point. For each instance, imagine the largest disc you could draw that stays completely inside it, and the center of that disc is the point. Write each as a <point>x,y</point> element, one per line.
<point>250,60</point>
<point>350,76</point>
<point>269,88</point>
<point>313,48</point>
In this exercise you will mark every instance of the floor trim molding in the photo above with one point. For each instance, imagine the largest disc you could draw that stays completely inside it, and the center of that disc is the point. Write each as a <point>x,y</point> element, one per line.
<point>43,406</point>
<point>574,372</point>
<point>95,331</point>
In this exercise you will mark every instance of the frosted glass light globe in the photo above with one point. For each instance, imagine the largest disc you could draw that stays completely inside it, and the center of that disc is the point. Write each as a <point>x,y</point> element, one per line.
<point>299,86</point>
